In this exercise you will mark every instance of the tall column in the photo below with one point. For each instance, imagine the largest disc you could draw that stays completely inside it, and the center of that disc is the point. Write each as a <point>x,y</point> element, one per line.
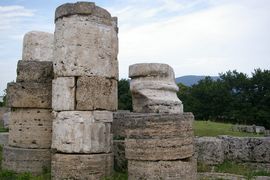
<point>30,126</point>
<point>84,91</point>
<point>159,137</point>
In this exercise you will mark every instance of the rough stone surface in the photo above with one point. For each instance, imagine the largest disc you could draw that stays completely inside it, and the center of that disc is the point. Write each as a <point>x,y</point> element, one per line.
<point>81,132</point>
<point>215,176</point>
<point>96,93</point>
<point>153,89</point>
<point>159,149</point>
<point>246,149</point>
<point>63,93</point>
<point>209,150</point>
<point>262,178</point>
<point>29,95</point>
<point>120,161</point>
<point>38,46</point>
<point>35,71</point>
<point>4,138</point>
<point>167,170</point>
<point>86,44</point>
<point>82,8</point>
<point>26,160</point>
<point>30,128</point>
<point>147,125</point>
<point>81,166</point>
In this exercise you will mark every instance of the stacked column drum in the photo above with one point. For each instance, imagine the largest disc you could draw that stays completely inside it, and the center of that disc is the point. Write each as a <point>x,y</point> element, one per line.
<point>159,143</point>
<point>30,127</point>
<point>84,91</point>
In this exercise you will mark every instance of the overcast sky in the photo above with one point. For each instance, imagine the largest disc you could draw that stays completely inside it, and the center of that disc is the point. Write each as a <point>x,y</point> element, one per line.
<point>195,37</point>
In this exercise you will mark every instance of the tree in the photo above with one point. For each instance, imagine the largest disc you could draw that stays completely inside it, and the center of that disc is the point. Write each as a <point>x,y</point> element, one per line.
<point>124,95</point>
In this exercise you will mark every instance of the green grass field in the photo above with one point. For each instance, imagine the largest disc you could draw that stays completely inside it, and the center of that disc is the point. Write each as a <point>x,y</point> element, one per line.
<point>208,128</point>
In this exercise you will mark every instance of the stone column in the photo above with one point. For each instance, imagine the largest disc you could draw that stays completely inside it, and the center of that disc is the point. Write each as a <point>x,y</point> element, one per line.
<point>159,137</point>
<point>84,91</point>
<point>30,127</point>
<point>153,89</point>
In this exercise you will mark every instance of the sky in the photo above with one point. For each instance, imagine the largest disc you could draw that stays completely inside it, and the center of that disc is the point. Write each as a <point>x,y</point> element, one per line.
<point>195,37</point>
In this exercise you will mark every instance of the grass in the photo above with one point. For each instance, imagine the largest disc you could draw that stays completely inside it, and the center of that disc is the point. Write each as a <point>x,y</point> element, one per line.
<point>208,128</point>
<point>232,168</point>
<point>10,175</point>
<point>2,129</point>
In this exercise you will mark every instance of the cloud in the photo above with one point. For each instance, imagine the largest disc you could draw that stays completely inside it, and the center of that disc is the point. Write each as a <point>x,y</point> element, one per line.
<point>208,38</point>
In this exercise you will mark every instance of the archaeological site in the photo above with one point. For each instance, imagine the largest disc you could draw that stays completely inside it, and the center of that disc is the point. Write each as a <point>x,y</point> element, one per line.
<point>64,116</point>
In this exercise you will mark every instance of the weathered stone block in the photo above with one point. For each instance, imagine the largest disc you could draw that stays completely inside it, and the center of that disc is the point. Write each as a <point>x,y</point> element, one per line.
<point>159,149</point>
<point>63,93</point>
<point>38,46</point>
<point>164,126</point>
<point>247,149</point>
<point>31,128</point>
<point>152,125</point>
<point>209,150</point>
<point>26,160</point>
<point>81,132</point>
<point>96,93</point>
<point>86,42</point>
<point>169,170</point>
<point>29,95</point>
<point>35,71</point>
<point>82,166</point>
<point>153,89</point>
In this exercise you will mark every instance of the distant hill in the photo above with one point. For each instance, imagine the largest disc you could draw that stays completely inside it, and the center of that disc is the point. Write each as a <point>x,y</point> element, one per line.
<point>192,79</point>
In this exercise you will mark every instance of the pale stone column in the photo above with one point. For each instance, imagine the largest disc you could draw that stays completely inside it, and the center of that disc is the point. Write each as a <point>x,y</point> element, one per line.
<point>153,89</point>
<point>159,139</point>
<point>29,98</point>
<point>84,91</point>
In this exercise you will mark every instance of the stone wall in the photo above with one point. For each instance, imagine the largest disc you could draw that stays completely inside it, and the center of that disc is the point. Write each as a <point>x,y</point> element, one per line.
<point>253,151</point>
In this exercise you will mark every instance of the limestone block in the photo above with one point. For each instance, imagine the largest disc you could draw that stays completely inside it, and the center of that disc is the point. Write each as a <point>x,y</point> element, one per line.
<point>29,95</point>
<point>35,71</point>
<point>26,160</point>
<point>96,93</point>
<point>153,89</point>
<point>159,149</point>
<point>38,46</point>
<point>209,150</point>
<point>86,42</point>
<point>81,132</point>
<point>151,125</point>
<point>247,149</point>
<point>169,170</point>
<point>120,161</point>
<point>82,166</point>
<point>160,127</point>
<point>63,93</point>
<point>31,128</point>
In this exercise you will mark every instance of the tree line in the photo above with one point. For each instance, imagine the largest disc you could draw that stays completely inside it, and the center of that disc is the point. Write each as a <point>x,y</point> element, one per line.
<point>234,97</point>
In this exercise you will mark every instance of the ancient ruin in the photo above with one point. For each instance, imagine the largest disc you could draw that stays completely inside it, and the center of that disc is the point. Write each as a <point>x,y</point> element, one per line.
<point>64,111</point>
<point>154,89</point>
<point>30,126</point>
<point>84,91</point>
